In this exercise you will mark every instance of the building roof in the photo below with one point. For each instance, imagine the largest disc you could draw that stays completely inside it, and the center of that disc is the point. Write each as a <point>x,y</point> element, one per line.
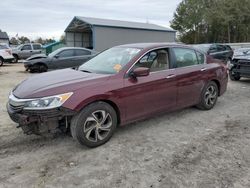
<point>122,24</point>
<point>3,35</point>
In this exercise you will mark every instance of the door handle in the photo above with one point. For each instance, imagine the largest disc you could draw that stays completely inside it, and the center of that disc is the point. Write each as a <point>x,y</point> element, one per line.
<point>203,69</point>
<point>171,76</point>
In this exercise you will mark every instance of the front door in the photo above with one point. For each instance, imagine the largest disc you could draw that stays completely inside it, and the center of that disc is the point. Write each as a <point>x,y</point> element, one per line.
<point>63,59</point>
<point>26,51</point>
<point>153,93</point>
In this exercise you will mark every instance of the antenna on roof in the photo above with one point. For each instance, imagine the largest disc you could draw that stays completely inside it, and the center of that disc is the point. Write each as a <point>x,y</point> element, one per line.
<point>147,21</point>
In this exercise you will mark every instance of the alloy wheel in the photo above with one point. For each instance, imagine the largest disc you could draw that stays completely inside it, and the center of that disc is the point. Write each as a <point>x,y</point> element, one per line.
<point>97,125</point>
<point>210,95</point>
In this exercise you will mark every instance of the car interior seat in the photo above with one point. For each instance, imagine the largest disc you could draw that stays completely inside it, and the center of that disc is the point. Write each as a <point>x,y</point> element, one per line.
<point>161,62</point>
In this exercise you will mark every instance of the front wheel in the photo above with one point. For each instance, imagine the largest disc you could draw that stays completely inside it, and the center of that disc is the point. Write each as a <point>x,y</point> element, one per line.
<point>209,96</point>
<point>94,125</point>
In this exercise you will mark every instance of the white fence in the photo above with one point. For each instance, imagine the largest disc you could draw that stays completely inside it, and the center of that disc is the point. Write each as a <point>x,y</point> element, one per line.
<point>239,45</point>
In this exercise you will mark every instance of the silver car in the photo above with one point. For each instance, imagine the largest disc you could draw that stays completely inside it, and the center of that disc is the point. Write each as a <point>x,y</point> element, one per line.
<point>24,51</point>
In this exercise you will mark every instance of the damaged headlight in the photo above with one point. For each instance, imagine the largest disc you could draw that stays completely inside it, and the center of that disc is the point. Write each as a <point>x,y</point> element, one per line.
<point>47,102</point>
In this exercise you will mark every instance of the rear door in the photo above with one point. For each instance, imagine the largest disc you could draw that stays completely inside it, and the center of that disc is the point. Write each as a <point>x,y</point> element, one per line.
<point>37,48</point>
<point>189,67</point>
<point>155,92</point>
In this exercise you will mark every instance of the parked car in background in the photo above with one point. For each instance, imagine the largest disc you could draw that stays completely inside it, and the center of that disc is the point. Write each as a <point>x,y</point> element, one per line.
<point>240,64</point>
<point>24,51</point>
<point>5,54</point>
<point>217,51</point>
<point>241,53</point>
<point>66,57</point>
<point>121,85</point>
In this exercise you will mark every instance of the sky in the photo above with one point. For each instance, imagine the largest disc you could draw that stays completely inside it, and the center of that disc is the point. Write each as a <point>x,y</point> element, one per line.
<point>49,18</point>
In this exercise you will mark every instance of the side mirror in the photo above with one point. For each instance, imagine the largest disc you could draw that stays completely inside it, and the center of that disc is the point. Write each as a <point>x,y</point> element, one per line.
<point>21,49</point>
<point>56,56</point>
<point>140,72</point>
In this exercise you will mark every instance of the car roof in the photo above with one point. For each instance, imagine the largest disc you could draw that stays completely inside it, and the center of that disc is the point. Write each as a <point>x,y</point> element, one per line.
<point>153,45</point>
<point>74,48</point>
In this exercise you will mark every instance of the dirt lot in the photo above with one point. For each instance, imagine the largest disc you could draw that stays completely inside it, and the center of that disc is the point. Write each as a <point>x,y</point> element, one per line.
<point>188,148</point>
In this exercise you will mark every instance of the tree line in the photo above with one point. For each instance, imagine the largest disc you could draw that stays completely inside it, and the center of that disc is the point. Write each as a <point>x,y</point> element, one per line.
<point>210,21</point>
<point>43,41</point>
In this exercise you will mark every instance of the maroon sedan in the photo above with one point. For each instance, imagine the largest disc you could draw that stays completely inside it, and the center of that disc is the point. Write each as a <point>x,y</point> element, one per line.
<point>121,85</point>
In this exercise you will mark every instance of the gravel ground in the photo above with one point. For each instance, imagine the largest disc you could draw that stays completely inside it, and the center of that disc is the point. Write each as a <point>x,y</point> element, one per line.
<point>187,148</point>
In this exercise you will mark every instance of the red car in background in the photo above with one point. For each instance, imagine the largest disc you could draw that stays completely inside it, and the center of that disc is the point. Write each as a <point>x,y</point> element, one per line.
<point>120,85</point>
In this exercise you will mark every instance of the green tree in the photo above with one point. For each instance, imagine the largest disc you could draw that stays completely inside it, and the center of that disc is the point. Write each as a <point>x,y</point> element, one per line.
<point>199,21</point>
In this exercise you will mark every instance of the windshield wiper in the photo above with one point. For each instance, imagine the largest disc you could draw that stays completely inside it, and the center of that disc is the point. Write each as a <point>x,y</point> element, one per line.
<point>86,71</point>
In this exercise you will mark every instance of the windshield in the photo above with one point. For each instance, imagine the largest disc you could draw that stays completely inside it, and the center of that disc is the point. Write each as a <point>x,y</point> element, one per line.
<point>19,46</point>
<point>54,53</point>
<point>110,61</point>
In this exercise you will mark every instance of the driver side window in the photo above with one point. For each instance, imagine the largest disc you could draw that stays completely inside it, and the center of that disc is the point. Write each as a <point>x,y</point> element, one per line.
<point>156,60</point>
<point>66,53</point>
<point>26,47</point>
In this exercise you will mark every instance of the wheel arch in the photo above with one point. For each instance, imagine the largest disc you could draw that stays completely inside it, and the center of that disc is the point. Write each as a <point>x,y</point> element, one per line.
<point>218,85</point>
<point>15,54</point>
<point>108,101</point>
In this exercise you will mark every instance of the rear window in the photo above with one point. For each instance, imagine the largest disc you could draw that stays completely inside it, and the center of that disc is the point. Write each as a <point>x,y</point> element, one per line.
<point>82,52</point>
<point>37,46</point>
<point>185,57</point>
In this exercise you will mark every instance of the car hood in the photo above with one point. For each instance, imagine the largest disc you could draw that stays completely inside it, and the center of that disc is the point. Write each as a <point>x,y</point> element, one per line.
<point>36,56</point>
<point>57,82</point>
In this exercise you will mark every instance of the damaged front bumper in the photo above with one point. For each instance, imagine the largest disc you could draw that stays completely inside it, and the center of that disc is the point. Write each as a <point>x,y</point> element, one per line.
<point>40,121</point>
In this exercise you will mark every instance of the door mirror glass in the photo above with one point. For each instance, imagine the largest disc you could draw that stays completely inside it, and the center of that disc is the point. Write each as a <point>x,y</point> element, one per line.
<point>140,72</point>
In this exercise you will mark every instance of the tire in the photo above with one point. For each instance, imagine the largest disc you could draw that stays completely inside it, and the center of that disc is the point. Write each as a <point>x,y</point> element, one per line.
<point>43,68</point>
<point>1,61</point>
<point>234,76</point>
<point>38,68</point>
<point>34,68</point>
<point>209,96</point>
<point>94,125</point>
<point>15,58</point>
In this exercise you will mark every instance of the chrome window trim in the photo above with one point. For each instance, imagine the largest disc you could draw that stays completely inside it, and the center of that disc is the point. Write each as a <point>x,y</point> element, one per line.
<point>157,48</point>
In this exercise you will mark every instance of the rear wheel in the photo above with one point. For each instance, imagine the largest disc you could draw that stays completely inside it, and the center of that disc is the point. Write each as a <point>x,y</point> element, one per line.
<point>1,61</point>
<point>209,96</point>
<point>94,125</point>
<point>234,76</point>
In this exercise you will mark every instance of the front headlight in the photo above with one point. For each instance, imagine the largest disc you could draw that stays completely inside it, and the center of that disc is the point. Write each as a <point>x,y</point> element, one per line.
<point>47,102</point>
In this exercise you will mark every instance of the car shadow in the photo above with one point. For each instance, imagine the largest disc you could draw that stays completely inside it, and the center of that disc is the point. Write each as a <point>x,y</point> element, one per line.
<point>27,143</point>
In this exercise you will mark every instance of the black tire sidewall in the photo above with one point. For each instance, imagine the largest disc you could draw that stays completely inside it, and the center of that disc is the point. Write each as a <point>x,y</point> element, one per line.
<point>78,122</point>
<point>42,68</point>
